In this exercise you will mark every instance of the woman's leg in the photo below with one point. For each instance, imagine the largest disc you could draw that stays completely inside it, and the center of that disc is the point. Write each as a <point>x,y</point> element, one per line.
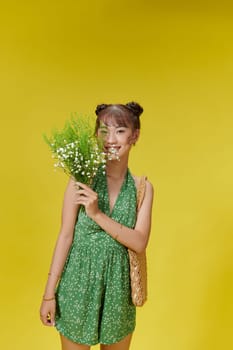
<point>124,344</point>
<point>69,345</point>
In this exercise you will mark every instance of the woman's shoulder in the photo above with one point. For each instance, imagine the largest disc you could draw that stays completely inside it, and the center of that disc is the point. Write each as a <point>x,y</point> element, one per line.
<point>138,180</point>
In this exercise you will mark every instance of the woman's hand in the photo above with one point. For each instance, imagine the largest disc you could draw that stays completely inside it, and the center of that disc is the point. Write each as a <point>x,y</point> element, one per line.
<point>47,312</point>
<point>87,197</point>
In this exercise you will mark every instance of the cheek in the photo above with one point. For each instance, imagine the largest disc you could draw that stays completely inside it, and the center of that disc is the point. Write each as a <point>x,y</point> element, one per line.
<point>101,136</point>
<point>128,140</point>
<point>134,137</point>
<point>131,140</point>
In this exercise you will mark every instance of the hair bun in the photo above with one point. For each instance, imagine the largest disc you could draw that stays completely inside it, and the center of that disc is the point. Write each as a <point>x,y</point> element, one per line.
<point>135,108</point>
<point>100,108</point>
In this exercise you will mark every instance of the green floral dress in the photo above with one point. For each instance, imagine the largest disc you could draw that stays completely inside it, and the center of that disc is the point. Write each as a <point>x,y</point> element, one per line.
<point>93,296</point>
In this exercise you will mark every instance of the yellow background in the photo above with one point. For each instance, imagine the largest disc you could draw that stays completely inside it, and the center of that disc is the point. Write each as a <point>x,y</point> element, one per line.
<point>176,59</point>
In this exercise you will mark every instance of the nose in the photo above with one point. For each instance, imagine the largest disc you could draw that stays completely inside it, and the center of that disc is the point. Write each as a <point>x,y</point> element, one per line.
<point>111,137</point>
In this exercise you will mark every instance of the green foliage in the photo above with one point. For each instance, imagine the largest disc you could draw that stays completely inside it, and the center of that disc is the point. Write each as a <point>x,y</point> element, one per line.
<point>76,149</point>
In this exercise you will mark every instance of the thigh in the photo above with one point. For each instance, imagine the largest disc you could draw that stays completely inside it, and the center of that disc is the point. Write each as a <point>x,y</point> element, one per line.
<point>70,345</point>
<point>124,344</point>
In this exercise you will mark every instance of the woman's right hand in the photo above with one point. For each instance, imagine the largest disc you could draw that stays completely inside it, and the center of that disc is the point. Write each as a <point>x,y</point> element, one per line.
<point>47,312</point>
<point>87,197</point>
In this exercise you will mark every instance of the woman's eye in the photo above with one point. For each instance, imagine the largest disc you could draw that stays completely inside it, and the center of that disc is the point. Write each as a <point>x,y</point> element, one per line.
<point>120,131</point>
<point>103,132</point>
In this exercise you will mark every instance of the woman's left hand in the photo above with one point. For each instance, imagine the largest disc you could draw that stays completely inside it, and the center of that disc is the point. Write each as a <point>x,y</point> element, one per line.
<point>87,197</point>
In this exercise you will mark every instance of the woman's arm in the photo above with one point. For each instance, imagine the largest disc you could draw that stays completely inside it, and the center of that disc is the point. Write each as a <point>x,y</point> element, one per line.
<point>135,239</point>
<point>64,241</point>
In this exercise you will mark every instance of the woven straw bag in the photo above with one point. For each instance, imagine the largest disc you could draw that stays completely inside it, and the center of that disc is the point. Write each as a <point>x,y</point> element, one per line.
<point>138,265</point>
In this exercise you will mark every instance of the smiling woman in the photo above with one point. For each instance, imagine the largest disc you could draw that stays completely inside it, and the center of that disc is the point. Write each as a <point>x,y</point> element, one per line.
<point>88,293</point>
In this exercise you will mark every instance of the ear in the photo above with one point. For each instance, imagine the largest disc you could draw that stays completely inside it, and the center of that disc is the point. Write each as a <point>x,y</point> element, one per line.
<point>134,137</point>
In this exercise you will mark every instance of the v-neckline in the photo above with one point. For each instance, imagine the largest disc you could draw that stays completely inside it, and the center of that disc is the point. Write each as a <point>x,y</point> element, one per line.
<point>110,211</point>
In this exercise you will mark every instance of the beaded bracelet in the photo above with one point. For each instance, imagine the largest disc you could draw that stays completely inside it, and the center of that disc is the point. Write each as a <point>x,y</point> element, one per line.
<point>48,299</point>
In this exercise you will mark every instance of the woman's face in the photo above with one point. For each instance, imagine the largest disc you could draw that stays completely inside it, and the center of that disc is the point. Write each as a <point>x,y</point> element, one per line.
<point>117,140</point>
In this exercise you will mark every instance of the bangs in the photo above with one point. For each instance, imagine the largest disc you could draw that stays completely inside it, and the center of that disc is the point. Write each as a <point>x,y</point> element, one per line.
<point>115,119</point>
<point>118,115</point>
<point>115,115</point>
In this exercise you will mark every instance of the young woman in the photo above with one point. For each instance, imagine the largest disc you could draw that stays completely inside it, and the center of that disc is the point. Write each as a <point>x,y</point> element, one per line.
<point>92,302</point>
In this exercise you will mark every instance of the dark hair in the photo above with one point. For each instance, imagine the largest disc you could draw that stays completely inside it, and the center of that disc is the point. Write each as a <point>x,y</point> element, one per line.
<point>124,115</point>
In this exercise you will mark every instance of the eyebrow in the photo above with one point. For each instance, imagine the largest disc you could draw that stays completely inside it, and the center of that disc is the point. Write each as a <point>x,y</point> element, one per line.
<point>113,126</point>
<point>103,127</point>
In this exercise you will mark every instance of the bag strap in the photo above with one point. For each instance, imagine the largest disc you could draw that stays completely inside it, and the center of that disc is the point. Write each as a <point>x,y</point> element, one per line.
<point>141,191</point>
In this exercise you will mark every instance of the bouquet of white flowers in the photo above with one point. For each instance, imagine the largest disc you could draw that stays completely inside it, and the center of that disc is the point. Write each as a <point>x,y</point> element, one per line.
<point>76,150</point>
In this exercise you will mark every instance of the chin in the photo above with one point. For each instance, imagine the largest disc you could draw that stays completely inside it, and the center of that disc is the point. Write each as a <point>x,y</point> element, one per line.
<point>113,157</point>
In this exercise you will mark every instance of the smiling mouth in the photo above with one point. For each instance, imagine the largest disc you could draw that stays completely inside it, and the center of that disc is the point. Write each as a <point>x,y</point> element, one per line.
<point>112,150</point>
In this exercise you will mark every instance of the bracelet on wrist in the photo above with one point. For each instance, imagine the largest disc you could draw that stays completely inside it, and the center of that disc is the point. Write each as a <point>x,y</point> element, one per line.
<point>116,236</point>
<point>53,274</point>
<point>48,299</point>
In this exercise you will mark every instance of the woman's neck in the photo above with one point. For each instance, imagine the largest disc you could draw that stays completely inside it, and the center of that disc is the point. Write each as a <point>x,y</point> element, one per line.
<point>116,169</point>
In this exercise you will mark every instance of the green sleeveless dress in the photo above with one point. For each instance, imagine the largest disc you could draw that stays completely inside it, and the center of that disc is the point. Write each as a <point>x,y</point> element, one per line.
<point>93,296</point>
